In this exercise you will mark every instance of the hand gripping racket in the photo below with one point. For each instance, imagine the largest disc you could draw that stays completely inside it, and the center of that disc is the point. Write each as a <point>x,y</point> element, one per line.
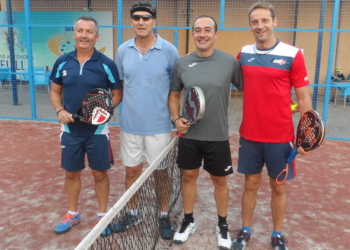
<point>310,135</point>
<point>194,106</point>
<point>96,107</point>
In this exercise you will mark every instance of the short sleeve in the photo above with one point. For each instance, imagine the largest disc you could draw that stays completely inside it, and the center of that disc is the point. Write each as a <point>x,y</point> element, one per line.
<point>237,75</point>
<point>176,83</point>
<point>298,75</point>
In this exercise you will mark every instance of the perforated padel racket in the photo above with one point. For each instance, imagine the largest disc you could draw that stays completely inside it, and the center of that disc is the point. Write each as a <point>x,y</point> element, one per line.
<point>96,107</point>
<point>194,106</point>
<point>310,135</point>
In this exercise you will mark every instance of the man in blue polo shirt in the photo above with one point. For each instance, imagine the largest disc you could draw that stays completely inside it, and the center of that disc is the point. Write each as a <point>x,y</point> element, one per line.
<point>73,76</point>
<point>144,64</point>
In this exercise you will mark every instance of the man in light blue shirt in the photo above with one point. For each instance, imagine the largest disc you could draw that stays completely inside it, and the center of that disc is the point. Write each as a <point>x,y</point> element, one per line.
<point>144,64</point>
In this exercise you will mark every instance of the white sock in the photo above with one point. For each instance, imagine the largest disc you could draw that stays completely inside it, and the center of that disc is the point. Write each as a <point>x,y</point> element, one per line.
<point>134,212</point>
<point>163,214</point>
<point>101,214</point>
<point>71,212</point>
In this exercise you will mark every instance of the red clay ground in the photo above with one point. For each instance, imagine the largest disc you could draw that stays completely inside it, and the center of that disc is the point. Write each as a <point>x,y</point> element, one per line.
<point>32,197</point>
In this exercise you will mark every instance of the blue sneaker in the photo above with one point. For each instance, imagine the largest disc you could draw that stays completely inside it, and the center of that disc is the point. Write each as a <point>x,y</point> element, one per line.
<point>127,221</point>
<point>166,231</point>
<point>278,243</point>
<point>68,221</point>
<point>107,231</point>
<point>242,238</point>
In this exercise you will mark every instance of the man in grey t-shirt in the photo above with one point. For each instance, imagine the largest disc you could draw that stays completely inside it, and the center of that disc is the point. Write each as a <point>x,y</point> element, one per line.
<point>213,71</point>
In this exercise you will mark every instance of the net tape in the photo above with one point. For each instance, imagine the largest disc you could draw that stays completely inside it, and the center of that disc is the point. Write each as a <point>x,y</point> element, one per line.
<point>148,187</point>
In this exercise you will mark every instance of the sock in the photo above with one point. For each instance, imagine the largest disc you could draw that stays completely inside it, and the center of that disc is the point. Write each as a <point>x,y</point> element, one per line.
<point>71,212</point>
<point>189,217</point>
<point>274,234</point>
<point>222,220</point>
<point>101,214</point>
<point>163,214</point>
<point>134,212</point>
<point>247,229</point>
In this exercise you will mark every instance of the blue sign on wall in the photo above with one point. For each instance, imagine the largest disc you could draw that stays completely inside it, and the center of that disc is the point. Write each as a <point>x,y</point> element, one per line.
<point>48,43</point>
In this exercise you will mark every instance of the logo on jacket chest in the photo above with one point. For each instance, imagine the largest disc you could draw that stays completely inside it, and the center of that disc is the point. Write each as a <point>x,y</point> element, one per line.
<point>279,61</point>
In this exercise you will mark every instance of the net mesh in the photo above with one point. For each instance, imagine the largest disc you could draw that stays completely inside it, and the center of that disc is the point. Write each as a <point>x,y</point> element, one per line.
<point>157,189</point>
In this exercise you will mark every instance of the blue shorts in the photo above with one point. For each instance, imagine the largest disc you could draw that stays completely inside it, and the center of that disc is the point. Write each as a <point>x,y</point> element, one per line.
<point>216,155</point>
<point>96,147</point>
<point>253,155</point>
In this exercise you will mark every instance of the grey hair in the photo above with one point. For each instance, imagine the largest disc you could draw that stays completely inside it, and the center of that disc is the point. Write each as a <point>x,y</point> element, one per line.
<point>87,18</point>
<point>142,4</point>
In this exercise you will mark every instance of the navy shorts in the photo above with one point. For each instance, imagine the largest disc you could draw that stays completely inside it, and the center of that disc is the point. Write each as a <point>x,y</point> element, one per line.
<point>253,155</point>
<point>216,155</point>
<point>96,147</point>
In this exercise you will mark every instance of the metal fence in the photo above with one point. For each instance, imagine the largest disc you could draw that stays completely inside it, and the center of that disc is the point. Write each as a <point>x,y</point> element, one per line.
<point>35,33</point>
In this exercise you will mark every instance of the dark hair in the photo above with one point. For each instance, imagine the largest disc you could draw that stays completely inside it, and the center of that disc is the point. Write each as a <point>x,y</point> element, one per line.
<point>206,16</point>
<point>146,4</point>
<point>87,18</point>
<point>262,5</point>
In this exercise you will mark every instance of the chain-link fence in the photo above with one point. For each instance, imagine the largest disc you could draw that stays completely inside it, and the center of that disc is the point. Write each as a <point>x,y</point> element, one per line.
<point>35,33</point>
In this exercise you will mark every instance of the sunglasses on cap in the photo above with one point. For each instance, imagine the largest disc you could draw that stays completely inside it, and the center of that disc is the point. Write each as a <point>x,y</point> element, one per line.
<point>144,17</point>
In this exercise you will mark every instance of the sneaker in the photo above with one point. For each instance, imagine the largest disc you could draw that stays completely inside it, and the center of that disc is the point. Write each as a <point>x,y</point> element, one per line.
<point>241,240</point>
<point>224,239</point>
<point>127,221</point>
<point>166,231</point>
<point>68,221</point>
<point>107,231</point>
<point>278,242</point>
<point>186,229</point>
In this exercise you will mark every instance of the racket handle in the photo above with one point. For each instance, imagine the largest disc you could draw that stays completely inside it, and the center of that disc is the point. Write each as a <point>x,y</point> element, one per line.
<point>75,116</point>
<point>292,156</point>
<point>180,134</point>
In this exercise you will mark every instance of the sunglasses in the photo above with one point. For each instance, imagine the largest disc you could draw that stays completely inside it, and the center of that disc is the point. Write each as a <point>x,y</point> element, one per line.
<point>144,17</point>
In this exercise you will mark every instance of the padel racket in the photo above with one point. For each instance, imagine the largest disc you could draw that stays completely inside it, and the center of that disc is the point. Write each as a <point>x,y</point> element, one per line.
<point>310,135</point>
<point>194,106</point>
<point>96,107</point>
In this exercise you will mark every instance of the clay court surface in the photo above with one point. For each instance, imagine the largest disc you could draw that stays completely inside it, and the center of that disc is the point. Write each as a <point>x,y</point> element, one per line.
<point>33,200</point>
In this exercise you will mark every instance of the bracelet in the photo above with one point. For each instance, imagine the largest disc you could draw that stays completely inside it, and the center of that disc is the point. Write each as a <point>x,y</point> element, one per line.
<point>176,120</point>
<point>59,111</point>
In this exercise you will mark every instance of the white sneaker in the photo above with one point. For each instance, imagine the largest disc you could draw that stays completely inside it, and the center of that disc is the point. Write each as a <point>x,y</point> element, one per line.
<point>224,239</point>
<point>185,230</point>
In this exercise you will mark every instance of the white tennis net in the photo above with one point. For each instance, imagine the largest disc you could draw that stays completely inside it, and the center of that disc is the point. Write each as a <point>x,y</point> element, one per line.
<point>160,183</point>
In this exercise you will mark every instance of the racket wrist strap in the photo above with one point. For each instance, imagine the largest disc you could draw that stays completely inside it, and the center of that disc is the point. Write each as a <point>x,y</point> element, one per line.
<point>59,111</point>
<point>174,121</point>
